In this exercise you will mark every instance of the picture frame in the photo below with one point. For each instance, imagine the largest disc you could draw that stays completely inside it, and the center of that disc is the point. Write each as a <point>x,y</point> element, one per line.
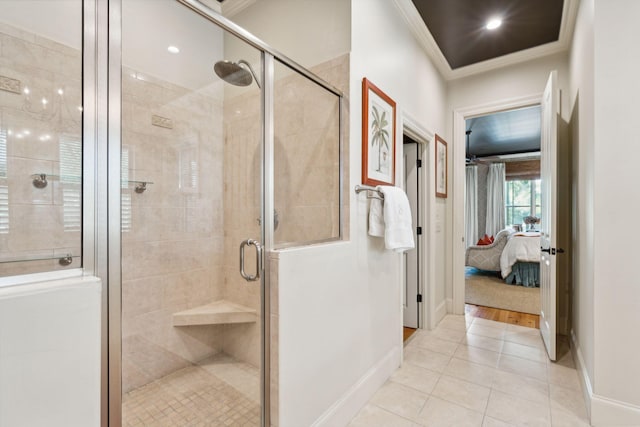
<point>378,136</point>
<point>441,167</point>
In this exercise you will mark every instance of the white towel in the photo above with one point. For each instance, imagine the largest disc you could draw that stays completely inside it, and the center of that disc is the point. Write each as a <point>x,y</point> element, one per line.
<point>376,219</point>
<point>398,231</point>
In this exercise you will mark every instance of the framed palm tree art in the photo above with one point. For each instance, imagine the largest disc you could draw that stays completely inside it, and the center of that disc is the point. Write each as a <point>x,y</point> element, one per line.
<point>378,136</point>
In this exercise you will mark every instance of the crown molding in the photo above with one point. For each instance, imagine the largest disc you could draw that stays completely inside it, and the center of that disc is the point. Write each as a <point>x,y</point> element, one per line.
<point>233,7</point>
<point>425,39</point>
<point>212,4</point>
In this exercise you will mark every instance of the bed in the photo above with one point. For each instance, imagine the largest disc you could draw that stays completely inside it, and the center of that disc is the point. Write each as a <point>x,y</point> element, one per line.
<point>520,259</point>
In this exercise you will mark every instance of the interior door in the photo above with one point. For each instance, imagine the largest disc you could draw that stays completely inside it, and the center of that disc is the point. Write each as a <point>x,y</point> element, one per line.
<point>549,203</point>
<point>412,270</point>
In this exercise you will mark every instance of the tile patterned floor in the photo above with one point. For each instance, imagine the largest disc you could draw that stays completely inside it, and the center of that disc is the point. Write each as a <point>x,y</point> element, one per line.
<point>218,392</point>
<point>477,372</point>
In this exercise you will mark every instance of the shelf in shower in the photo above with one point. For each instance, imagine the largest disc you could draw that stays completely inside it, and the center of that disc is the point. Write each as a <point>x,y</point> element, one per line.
<point>216,313</point>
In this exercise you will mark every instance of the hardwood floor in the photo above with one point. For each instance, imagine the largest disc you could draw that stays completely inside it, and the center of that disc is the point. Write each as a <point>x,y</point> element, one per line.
<point>506,316</point>
<point>407,332</point>
<point>499,315</point>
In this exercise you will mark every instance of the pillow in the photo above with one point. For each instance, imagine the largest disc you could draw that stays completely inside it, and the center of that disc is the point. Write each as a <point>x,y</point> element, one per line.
<point>486,240</point>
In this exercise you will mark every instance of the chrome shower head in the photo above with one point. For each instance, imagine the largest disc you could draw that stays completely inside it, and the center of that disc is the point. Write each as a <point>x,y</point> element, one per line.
<point>237,73</point>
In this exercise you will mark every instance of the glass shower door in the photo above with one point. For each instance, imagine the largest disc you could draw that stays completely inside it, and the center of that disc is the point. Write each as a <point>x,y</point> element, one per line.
<point>191,220</point>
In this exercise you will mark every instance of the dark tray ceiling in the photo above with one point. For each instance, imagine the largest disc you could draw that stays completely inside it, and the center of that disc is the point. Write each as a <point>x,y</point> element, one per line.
<point>458,27</point>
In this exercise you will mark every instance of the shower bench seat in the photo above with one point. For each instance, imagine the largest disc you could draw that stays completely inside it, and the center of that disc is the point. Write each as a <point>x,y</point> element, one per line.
<point>216,313</point>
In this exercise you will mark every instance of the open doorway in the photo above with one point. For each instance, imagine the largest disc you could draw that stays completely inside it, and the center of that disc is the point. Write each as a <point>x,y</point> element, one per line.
<point>418,272</point>
<point>502,212</point>
<point>555,218</point>
<point>412,294</point>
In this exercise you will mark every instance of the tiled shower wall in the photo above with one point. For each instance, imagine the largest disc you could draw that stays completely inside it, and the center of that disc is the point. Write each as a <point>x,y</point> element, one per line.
<point>39,138</point>
<point>172,233</point>
<point>307,155</point>
<point>242,198</point>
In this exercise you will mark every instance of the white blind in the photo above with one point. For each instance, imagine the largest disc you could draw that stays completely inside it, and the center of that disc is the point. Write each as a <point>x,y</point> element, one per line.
<point>71,182</point>
<point>4,188</point>
<point>125,198</point>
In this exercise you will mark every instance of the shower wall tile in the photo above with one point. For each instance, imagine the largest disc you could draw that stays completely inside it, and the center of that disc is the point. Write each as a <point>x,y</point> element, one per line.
<point>274,276</point>
<point>307,155</point>
<point>242,200</point>
<point>242,340</point>
<point>173,243</point>
<point>20,181</point>
<point>38,222</point>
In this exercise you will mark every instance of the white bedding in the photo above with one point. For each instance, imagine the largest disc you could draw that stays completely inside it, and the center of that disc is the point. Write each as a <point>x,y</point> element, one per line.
<point>523,247</point>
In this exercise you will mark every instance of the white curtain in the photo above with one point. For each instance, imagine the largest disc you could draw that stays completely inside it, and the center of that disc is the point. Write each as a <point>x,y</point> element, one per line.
<point>495,199</point>
<point>471,206</point>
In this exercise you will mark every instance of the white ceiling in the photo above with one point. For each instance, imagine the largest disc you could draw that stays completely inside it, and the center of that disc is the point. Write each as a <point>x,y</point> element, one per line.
<point>59,20</point>
<point>148,31</point>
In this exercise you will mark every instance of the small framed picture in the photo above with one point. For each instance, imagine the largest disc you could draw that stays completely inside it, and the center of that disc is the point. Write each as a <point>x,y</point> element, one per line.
<point>441,167</point>
<point>378,136</point>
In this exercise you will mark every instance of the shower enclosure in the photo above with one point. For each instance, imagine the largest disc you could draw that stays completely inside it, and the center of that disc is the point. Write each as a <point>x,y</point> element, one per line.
<point>223,145</point>
<point>168,152</point>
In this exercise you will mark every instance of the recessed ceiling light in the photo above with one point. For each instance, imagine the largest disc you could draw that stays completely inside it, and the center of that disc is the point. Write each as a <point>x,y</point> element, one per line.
<point>173,49</point>
<point>493,23</point>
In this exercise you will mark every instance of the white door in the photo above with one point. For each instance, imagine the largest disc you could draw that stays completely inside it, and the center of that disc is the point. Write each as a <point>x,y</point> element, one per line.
<point>412,270</point>
<point>549,203</point>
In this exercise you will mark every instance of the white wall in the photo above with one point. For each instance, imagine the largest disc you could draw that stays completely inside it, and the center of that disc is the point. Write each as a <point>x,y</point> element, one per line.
<point>527,78</point>
<point>386,53</point>
<point>516,81</point>
<point>580,113</point>
<point>308,31</point>
<point>50,353</point>
<point>616,175</point>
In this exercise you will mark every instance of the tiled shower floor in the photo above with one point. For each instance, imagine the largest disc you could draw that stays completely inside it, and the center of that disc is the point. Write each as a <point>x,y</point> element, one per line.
<point>219,391</point>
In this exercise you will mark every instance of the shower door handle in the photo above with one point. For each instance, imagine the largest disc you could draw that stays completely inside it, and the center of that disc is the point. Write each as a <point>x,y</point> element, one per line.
<point>258,246</point>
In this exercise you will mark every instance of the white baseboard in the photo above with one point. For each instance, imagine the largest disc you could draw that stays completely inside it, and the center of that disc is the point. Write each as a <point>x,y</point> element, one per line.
<point>449,302</point>
<point>602,410</point>
<point>581,367</point>
<point>345,408</point>
<point>610,412</point>
<point>441,311</point>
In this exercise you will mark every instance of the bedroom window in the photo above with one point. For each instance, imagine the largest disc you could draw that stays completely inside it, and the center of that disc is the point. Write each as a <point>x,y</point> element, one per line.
<point>522,198</point>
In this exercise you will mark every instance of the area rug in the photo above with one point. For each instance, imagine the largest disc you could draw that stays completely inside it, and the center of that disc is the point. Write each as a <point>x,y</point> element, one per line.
<point>487,289</point>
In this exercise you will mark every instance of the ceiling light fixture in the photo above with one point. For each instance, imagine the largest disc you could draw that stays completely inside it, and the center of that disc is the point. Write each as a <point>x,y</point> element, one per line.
<point>173,49</point>
<point>493,23</point>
